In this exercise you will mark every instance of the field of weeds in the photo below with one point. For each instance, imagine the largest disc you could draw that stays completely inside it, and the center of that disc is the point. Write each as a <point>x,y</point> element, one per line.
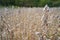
<point>26,24</point>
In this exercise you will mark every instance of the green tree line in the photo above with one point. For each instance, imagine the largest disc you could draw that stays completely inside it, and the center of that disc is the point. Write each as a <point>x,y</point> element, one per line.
<point>30,3</point>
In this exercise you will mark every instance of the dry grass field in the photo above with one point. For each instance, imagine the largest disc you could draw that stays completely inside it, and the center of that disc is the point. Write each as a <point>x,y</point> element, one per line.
<point>24,23</point>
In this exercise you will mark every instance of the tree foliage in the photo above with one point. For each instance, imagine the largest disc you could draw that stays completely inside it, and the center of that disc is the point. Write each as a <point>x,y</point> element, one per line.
<point>30,3</point>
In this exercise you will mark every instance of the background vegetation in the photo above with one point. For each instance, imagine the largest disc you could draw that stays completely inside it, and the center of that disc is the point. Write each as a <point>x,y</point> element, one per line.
<point>30,3</point>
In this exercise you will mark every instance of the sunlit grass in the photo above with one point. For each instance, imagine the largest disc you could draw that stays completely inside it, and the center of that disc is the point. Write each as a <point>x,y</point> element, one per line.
<point>25,23</point>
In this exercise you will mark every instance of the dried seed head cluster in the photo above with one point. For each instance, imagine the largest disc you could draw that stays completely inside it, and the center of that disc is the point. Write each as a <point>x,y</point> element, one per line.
<point>28,24</point>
